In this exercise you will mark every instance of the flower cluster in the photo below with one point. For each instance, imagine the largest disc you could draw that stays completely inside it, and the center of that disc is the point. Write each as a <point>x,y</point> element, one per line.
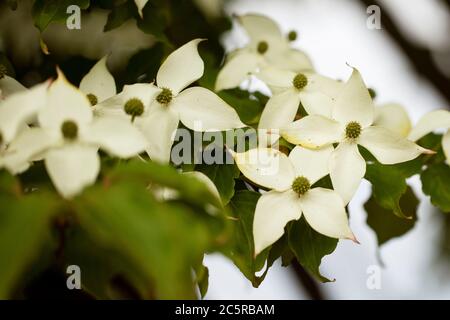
<point>65,127</point>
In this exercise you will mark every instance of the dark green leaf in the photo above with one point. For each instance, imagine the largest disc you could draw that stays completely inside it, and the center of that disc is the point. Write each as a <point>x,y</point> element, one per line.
<point>248,106</point>
<point>310,247</point>
<point>119,15</point>
<point>45,12</point>
<point>436,184</point>
<point>388,226</point>
<point>223,176</point>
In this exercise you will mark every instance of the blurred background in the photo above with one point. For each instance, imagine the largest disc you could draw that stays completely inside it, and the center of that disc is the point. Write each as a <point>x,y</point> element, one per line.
<point>407,61</point>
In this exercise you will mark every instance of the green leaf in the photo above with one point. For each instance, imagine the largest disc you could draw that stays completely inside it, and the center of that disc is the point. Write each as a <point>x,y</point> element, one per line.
<point>119,15</point>
<point>25,225</point>
<point>164,240</point>
<point>388,186</point>
<point>310,247</point>
<point>243,206</point>
<point>249,106</point>
<point>202,274</point>
<point>45,12</point>
<point>436,184</point>
<point>155,19</point>
<point>223,176</point>
<point>388,226</point>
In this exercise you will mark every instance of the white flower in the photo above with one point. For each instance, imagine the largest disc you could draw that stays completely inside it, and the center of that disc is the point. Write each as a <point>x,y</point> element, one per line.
<point>351,124</point>
<point>140,4</point>
<point>431,121</point>
<point>157,110</point>
<point>315,92</point>
<point>394,117</point>
<point>69,137</point>
<point>267,47</point>
<point>8,85</point>
<point>98,84</point>
<point>290,180</point>
<point>16,111</point>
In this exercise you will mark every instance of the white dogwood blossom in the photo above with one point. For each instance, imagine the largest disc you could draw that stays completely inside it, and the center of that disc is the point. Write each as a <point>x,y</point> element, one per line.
<point>140,4</point>
<point>350,125</point>
<point>438,119</point>
<point>316,93</point>
<point>290,180</point>
<point>68,138</point>
<point>98,84</point>
<point>157,110</point>
<point>267,48</point>
<point>394,117</point>
<point>8,85</point>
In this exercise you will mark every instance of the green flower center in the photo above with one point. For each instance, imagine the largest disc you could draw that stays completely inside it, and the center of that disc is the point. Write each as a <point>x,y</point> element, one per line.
<point>300,81</point>
<point>262,47</point>
<point>165,96</point>
<point>3,71</point>
<point>353,130</point>
<point>292,35</point>
<point>134,107</point>
<point>69,130</point>
<point>301,185</point>
<point>372,93</point>
<point>92,99</point>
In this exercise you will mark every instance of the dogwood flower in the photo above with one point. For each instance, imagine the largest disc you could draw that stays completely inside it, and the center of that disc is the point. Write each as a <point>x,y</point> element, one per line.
<point>98,84</point>
<point>290,180</point>
<point>428,123</point>
<point>157,110</point>
<point>267,47</point>
<point>140,4</point>
<point>394,117</point>
<point>69,137</point>
<point>316,93</point>
<point>8,85</point>
<point>351,125</point>
<point>16,111</point>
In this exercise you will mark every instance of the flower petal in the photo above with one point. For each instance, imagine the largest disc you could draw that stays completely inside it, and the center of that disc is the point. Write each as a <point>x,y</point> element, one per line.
<point>266,167</point>
<point>99,81</point>
<point>431,121</point>
<point>324,211</point>
<point>8,86</point>
<point>275,78</point>
<point>114,106</point>
<point>312,164</point>
<point>312,131</point>
<point>159,127</point>
<point>20,108</point>
<point>28,144</point>
<point>72,168</point>
<point>259,27</point>
<point>347,168</point>
<point>181,68</point>
<point>202,110</point>
<point>280,110</point>
<point>203,178</point>
<point>140,4</point>
<point>116,136</point>
<point>394,117</point>
<point>354,103</point>
<point>446,146</point>
<point>388,147</point>
<point>273,211</point>
<point>237,68</point>
<point>64,102</point>
<point>290,59</point>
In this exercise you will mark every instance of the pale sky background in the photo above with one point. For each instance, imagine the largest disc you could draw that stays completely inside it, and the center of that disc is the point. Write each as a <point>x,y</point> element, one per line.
<point>334,33</point>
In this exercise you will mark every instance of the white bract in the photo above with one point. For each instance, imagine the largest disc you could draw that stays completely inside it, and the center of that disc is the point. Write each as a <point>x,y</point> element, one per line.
<point>290,180</point>
<point>394,117</point>
<point>438,119</point>
<point>16,111</point>
<point>316,93</point>
<point>140,4</point>
<point>267,47</point>
<point>350,125</point>
<point>69,137</point>
<point>157,110</point>
<point>8,85</point>
<point>98,84</point>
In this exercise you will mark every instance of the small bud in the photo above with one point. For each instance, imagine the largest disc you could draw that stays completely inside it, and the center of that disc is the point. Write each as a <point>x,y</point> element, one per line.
<point>3,71</point>
<point>292,35</point>
<point>300,81</point>
<point>301,185</point>
<point>92,99</point>
<point>69,130</point>
<point>372,93</point>
<point>134,107</point>
<point>262,47</point>
<point>353,130</point>
<point>165,96</point>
